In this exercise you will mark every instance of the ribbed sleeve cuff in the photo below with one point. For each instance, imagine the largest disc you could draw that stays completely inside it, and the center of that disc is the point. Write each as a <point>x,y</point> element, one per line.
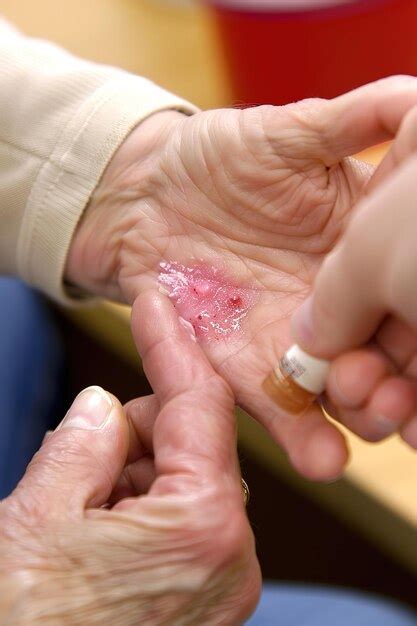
<point>68,177</point>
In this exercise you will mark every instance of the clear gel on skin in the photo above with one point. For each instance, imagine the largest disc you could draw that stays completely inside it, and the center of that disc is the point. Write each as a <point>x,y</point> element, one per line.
<point>204,296</point>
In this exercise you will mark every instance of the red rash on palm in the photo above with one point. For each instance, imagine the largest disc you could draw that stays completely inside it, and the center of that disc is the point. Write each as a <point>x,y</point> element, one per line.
<point>206,298</point>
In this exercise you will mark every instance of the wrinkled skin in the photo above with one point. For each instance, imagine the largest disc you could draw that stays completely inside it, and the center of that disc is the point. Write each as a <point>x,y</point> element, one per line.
<point>176,547</point>
<point>266,193</point>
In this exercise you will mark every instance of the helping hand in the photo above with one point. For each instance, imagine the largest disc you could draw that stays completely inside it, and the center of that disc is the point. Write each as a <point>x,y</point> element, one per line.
<point>363,312</point>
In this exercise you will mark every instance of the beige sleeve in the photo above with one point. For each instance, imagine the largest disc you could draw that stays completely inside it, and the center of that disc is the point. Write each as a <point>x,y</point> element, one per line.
<point>61,120</point>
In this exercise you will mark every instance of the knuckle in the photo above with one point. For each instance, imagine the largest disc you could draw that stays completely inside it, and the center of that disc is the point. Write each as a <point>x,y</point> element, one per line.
<point>236,543</point>
<point>263,112</point>
<point>308,107</point>
<point>258,128</point>
<point>62,450</point>
<point>222,531</point>
<point>306,116</point>
<point>229,542</point>
<point>310,113</point>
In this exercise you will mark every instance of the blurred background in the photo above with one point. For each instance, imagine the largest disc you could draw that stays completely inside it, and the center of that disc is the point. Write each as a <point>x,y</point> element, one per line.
<point>360,532</point>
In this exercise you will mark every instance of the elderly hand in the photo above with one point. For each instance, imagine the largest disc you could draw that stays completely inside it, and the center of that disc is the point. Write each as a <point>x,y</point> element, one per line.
<point>265,193</point>
<point>364,305</point>
<point>176,546</point>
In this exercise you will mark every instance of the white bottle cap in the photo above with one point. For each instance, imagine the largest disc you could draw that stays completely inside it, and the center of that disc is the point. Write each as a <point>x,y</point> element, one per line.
<point>307,371</point>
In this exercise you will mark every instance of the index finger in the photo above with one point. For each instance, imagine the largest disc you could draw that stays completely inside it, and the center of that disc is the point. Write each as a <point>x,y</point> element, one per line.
<point>195,430</point>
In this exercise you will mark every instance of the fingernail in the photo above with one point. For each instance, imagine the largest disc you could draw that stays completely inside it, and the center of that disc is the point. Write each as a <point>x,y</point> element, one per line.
<point>46,436</point>
<point>302,323</point>
<point>409,433</point>
<point>89,411</point>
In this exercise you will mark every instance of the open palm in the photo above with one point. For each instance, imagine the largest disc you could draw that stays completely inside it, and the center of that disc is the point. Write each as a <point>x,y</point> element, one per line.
<point>263,194</point>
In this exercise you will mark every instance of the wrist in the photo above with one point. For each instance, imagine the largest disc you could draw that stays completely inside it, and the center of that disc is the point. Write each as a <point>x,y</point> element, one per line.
<point>92,259</point>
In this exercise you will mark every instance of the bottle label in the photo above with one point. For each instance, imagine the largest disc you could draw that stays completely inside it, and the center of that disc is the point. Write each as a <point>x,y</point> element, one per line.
<point>307,371</point>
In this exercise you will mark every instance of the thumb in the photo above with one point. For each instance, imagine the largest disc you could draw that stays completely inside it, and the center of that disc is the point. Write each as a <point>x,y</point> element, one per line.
<point>80,462</point>
<point>368,115</point>
<point>370,273</point>
<point>347,303</point>
<point>404,147</point>
<point>360,118</point>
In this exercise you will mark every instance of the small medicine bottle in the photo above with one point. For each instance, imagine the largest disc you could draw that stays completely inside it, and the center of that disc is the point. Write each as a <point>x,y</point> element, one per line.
<point>297,381</point>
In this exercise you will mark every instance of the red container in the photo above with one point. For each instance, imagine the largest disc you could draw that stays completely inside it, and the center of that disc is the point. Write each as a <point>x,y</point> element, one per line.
<point>279,51</point>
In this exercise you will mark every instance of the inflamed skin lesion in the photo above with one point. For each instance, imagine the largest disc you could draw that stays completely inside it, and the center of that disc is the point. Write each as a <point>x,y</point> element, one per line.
<point>207,298</point>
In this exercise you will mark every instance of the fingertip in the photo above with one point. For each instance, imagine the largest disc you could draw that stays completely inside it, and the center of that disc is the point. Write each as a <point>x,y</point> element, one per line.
<point>326,456</point>
<point>150,309</point>
<point>155,317</point>
<point>109,447</point>
<point>93,409</point>
<point>392,403</point>
<point>354,376</point>
<point>389,405</point>
<point>323,455</point>
<point>172,360</point>
<point>409,432</point>
<point>82,459</point>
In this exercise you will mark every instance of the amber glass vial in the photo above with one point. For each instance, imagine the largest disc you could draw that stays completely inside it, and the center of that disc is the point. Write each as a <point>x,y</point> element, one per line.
<point>297,381</point>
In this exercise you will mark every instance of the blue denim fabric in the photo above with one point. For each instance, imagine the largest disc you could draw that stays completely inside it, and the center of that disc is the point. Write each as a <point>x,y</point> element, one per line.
<point>31,365</point>
<point>294,605</point>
